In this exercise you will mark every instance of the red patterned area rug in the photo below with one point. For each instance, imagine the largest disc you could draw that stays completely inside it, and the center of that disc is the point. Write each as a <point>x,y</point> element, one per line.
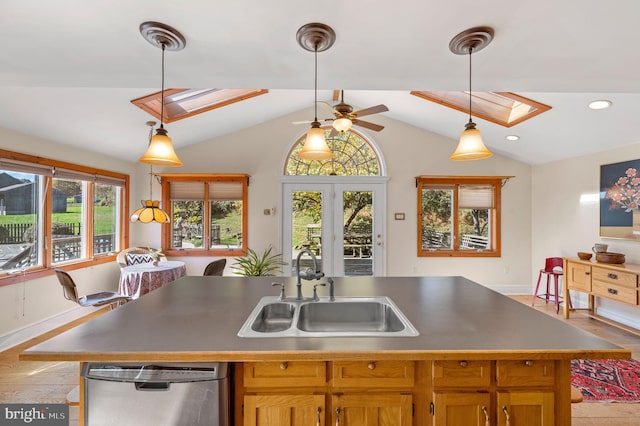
<point>607,380</point>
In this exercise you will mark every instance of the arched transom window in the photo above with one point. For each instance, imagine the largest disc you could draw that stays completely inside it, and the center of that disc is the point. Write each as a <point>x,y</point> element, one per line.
<point>354,156</point>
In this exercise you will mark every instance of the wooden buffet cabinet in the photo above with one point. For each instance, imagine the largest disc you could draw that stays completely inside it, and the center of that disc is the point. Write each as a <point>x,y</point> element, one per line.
<point>617,282</point>
<point>398,393</point>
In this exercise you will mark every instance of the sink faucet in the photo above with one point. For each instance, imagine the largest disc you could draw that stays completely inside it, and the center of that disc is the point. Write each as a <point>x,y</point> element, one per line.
<point>308,274</point>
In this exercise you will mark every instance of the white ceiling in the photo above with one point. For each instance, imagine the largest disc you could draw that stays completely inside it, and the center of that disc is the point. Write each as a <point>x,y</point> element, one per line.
<point>69,68</point>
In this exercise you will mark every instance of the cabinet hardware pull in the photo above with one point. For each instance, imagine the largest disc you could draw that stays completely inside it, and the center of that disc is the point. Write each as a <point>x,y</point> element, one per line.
<point>463,364</point>
<point>506,414</point>
<point>318,411</point>
<point>338,416</point>
<point>613,276</point>
<point>587,273</point>
<point>284,365</point>
<point>371,365</point>
<point>528,363</point>
<point>612,291</point>
<point>486,416</point>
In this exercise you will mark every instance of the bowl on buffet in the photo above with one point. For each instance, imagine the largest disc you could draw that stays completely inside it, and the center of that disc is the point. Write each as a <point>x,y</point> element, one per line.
<point>608,257</point>
<point>584,255</point>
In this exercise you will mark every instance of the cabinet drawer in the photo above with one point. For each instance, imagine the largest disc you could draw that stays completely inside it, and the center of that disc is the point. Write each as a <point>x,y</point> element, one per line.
<point>615,292</point>
<point>625,279</point>
<point>525,373</point>
<point>578,276</point>
<point>373,374</point>
<point>461,373</point>
<point>292,374</point>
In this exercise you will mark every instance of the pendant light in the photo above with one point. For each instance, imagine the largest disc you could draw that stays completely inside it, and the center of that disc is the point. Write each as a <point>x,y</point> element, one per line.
<point>315,38</point>
<point>470,146</point>
<point>150,210</point>
<point>160,151</point>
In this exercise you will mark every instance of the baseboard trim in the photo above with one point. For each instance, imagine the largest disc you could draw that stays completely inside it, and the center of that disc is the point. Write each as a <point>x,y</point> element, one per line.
<point>36,329</point>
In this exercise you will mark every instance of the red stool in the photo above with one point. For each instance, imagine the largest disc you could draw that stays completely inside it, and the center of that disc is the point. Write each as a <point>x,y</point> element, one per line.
<point>550,264</point>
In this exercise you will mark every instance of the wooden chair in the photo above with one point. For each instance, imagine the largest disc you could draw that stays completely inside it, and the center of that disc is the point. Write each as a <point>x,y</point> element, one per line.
<point>215,268</point>
<point>552,268</point>
<point>70,291</point>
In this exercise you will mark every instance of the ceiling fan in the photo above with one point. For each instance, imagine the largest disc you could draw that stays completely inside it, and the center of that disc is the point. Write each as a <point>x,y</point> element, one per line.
<point>345,116</point>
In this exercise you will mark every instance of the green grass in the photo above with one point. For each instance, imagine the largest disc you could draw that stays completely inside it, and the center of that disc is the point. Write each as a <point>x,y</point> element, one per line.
<point>103,224</point>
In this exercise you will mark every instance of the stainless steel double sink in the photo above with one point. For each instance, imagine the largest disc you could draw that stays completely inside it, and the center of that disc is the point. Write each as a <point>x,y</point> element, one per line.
<point>344,316</point>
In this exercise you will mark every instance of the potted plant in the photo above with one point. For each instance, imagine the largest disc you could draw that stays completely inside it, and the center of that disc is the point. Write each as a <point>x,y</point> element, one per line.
<point>254,265</point>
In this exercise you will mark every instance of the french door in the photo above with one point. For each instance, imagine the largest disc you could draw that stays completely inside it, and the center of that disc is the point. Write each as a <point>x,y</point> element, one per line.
<point>341,220</point>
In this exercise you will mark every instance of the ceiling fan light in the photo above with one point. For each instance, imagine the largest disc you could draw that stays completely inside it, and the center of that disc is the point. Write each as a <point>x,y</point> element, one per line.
<point>160,151</point>
<point>342,124</point>
<point>150,212</point>
<point>470,146</point>
<point>315,145</point>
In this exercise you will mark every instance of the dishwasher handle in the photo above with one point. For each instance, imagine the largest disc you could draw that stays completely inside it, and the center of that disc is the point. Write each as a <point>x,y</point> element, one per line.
<point>152,386</point>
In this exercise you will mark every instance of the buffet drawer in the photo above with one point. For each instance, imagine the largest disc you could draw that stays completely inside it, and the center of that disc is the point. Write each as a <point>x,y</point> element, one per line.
<point>285,373</point>
<point>615,292</point>
<point>461,373</point>
<point>525,373</point>
<point>371,374</point>
<point>619,278</point>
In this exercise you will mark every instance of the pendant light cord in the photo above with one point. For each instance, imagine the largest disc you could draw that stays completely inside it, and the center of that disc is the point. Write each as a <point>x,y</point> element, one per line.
<point>315,87</point>
<point>162,90</point>
<point>470,51</point>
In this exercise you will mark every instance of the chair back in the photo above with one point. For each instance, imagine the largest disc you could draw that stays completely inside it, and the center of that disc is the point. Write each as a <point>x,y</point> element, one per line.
<point>215,268</point>
<point>69,288</point>
<point>553,262</point>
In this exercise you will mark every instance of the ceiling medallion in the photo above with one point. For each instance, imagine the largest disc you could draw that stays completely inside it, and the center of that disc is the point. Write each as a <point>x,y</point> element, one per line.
<point>474,38</point>
<point>160,34</point>
<point>316,37</point>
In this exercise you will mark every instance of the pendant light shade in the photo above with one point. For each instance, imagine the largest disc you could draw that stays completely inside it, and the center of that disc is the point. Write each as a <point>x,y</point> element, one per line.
<point>315,145</point>
<point>150,211</point>
<point>470,146</point>
<point>316,38</point>
<point>160,151</point>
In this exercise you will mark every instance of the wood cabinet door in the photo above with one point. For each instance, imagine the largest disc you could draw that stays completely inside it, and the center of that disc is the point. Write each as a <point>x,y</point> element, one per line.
<point>461,408</point>
<point>284,410</point>
<point>578,276</point>
<point>525,408</point>
<point>371,410</point>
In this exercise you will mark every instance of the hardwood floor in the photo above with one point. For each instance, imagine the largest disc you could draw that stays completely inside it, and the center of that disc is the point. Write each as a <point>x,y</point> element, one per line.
<point>50,382</point>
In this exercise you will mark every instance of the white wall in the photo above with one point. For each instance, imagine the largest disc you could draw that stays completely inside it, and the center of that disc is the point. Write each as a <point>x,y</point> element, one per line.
<point>408,151</point>
<point>563,225</point>
<point>31,301</point>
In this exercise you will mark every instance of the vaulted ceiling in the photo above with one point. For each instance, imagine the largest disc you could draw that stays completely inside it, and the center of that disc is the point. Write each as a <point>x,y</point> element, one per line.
<point>69,68</point>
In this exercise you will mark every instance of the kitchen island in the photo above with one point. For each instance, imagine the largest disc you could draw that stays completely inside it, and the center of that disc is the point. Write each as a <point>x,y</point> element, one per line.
<point>479,355</point>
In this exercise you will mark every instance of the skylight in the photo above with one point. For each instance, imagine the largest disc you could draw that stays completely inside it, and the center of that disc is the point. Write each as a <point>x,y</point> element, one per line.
<point>504,108</point>
<point>183,103</point>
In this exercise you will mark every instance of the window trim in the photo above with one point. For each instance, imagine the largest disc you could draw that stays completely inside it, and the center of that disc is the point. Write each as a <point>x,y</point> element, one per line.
<point>496,181</point>
<point>167,178</point>
<point>40,166</point>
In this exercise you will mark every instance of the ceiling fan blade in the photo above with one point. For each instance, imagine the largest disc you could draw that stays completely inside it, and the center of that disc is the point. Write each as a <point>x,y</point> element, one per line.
<point>368,125</point>
<point>328,107</point>
<point>371,110</point>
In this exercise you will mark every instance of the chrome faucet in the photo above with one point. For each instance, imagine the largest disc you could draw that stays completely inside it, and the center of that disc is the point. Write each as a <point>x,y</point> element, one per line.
<point>308,274</point>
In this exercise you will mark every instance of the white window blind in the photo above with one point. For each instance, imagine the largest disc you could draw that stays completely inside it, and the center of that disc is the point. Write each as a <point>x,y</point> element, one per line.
<point>22,167</point>
<point>187,191</point>
<point>475,197</point>
<point>225,191</point>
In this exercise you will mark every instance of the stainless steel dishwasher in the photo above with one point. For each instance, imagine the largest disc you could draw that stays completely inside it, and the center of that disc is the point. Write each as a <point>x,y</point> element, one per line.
<point>168,394</point>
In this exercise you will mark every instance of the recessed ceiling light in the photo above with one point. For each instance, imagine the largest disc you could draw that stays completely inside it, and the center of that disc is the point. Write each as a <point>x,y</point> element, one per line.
<point>600,104</point>
<point>512,137</point>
